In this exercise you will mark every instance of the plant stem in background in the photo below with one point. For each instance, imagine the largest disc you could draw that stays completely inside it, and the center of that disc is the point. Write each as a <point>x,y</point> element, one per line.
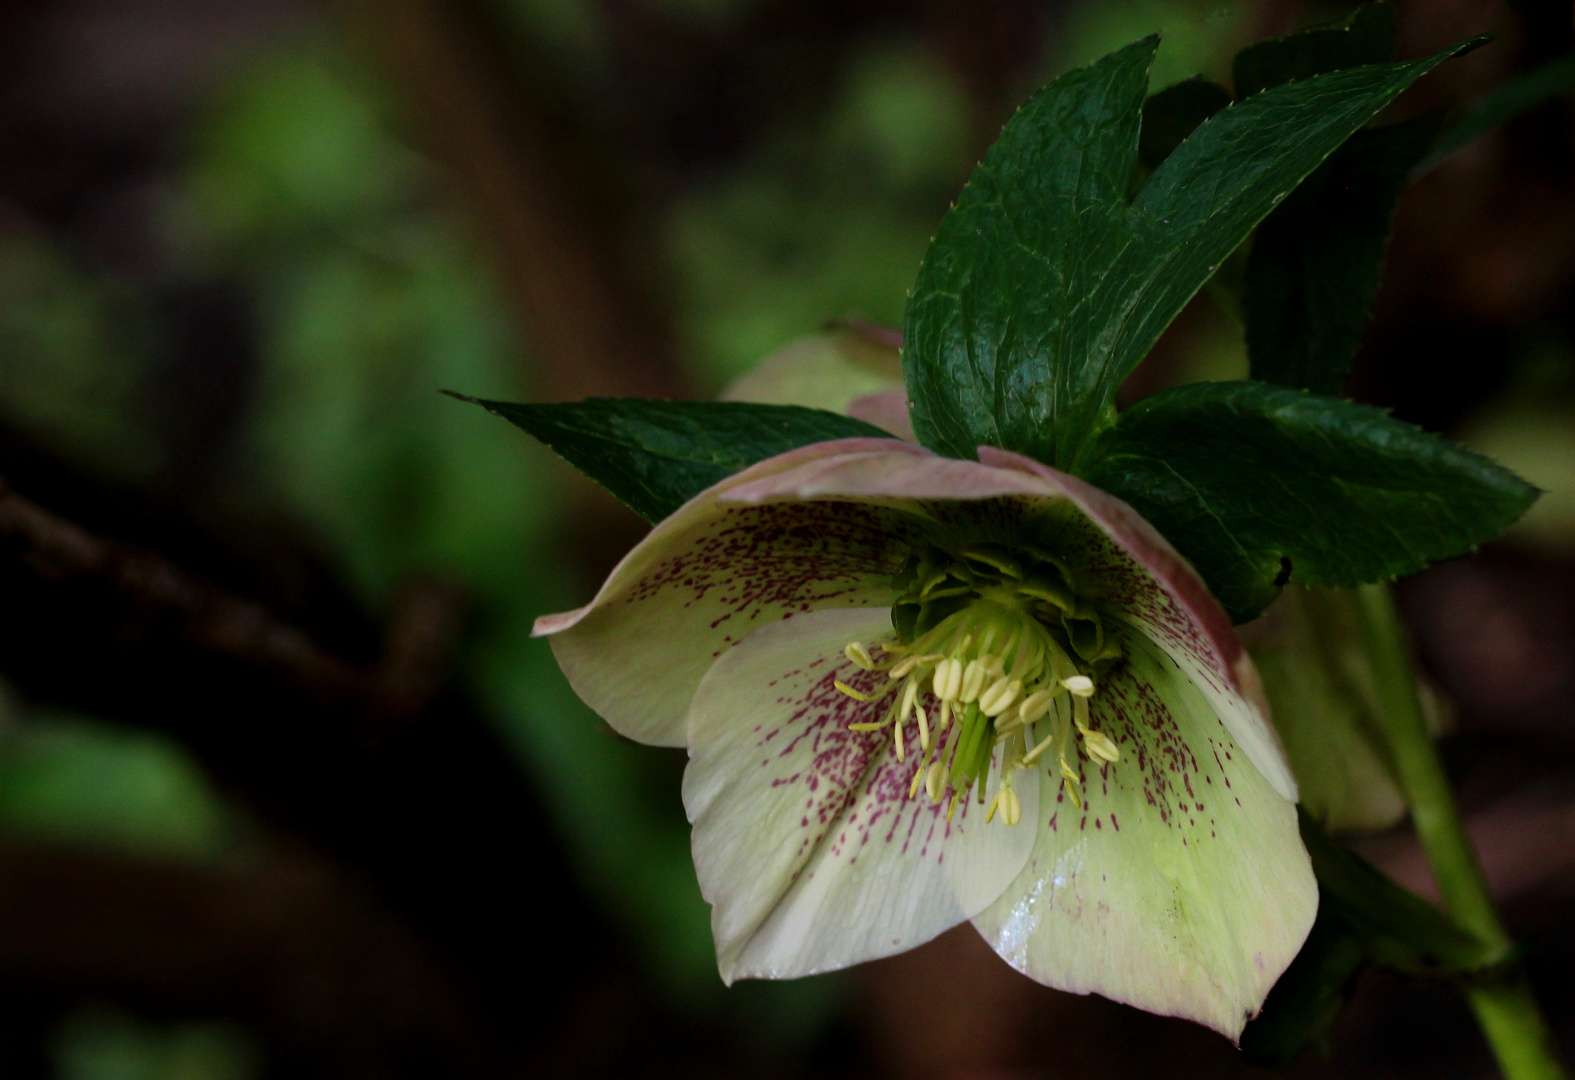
<point>1502,1001</point>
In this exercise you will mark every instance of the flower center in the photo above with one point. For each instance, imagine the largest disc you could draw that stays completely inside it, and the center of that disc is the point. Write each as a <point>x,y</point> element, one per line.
<point>992,647</point>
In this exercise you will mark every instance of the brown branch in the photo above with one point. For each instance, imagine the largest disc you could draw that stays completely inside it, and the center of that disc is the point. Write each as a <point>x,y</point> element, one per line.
<point>413,668</point>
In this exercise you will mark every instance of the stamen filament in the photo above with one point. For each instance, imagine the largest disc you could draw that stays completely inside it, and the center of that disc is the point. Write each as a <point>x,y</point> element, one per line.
<point>1033,755</point>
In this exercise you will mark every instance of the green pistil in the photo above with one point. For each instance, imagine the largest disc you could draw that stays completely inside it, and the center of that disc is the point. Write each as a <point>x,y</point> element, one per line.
<point>934,585</point>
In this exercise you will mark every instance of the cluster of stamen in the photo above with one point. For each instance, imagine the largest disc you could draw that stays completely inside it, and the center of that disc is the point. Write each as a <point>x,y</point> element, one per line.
<point>992,648</point>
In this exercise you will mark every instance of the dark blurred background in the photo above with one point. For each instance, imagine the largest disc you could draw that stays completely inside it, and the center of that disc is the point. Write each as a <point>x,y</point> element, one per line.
<point>286,789</point>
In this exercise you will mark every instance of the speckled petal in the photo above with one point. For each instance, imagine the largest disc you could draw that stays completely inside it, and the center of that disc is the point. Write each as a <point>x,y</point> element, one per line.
<point>1182,886</point>
<point>1133,571</point>
<point>710,575</point>
<point>805,841</point>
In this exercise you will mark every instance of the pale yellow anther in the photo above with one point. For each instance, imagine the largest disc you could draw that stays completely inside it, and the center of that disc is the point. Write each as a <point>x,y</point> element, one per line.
<point>897,730</point>
<point>910,696</point>
<point>859,656</point>
<point>972,681</point>
<point>1073,788</point>
<point>865,727</point>
<point>918,775</point>
<point>948,679</point>
<point>935,781</point>
<point>1099,747</point>
<point>1011,807</point>
<point>1001,695</point>
<point>924,728</point>
<point>902,668</point>
<point>952,809</point>
<point>1034,706</point>
<point>946,715</point>
<point>989,815</point>
<point>1081,685</point>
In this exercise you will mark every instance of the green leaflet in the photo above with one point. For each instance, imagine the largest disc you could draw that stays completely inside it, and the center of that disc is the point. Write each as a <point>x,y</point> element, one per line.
<point>1045,285</point>
<point>1316,260</point>
<point>1257,484</point>
<point>657,455</point>
<point>1174,113</point>
<point>1363,917</point>
<point>1365,36</point>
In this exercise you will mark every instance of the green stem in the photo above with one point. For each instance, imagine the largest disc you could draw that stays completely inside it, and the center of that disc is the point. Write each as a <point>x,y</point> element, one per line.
<point>1510,1018</point>
<point>1503,1004</point>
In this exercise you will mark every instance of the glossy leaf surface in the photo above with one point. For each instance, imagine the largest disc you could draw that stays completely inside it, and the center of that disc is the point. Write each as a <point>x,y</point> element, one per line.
<point>657,455</point>
<point>1045,285</point>
<point>1259,484</point>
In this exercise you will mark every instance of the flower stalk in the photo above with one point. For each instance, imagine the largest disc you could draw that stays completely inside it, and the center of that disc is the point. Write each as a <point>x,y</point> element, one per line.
<point>1501,999</point>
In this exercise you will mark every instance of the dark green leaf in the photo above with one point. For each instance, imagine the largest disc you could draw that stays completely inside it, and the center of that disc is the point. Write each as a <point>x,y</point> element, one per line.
<point>1044,286</point>
<point>1398,928</point>
<point>1365,36</point>
<point>1362,917</point>
<point>1555,78</point>
<point>1305,1003</point>
<point>1257,483</point>
<point>1174,113</point>
<point>993,344</point>
<point>656,455</point>
<point>1316,260</point>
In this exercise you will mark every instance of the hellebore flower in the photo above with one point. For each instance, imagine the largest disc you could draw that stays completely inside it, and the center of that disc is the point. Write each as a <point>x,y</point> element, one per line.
<point>917,691</point>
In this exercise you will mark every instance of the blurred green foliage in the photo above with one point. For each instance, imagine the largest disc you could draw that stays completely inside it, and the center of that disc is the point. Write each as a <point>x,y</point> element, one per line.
<point>74,780</point>
<point>1531,429</point>
<point>295,185</point>
<point>823,221</point>
<point>102,1044</point>
<point>73,346</point>
<point>1199,37</point>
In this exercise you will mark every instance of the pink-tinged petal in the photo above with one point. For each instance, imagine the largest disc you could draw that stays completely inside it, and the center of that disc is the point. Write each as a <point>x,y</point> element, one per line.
<point>888,336</point>
<point>886,409</point>
<point>1145,580</point>
<point>710,575</point>
<point>1181,886</point>
<point>891,472</point>
<point>805,841</point>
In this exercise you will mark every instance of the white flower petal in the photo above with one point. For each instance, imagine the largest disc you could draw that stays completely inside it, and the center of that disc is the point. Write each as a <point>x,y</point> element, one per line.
<point>1182,886</point>
<point>709,576</point>
<point>805,840</point>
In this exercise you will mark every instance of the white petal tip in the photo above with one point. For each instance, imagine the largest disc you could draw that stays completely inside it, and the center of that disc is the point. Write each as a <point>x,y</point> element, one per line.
<point>547,625</point>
